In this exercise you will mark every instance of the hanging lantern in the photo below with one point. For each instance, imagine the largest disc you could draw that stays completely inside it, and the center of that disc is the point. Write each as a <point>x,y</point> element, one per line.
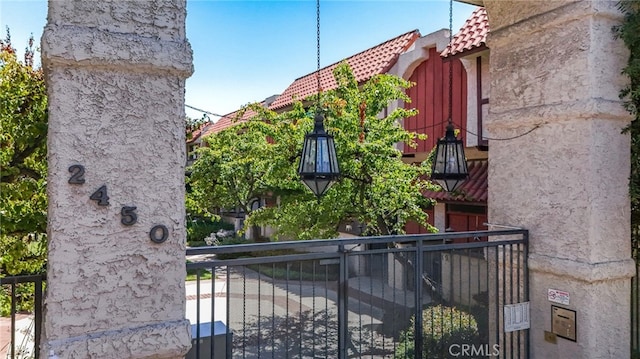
<point>450,164</point>
<point>318,167</point>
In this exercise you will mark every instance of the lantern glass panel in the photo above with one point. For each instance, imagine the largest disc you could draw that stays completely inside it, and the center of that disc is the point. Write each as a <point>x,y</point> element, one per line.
<point>309,155</point>
<point>333,157</point>
<point>322,159</point>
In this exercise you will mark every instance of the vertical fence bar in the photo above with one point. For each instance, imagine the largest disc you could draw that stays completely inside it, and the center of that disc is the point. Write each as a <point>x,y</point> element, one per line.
<point>228,338</point>
<point>419,337</point>
<point>633,312</point>
<point>300,309</point>
<point>371,344</point>
<point>487,306</point>
<point>198,314</point>
<point>212,322</point>
<point>37,317</point>
<point>13,320</point>
<point>359,310</point>
<point>635,299</point>
<point>313,309</point>
<point>469,296</point>
<point>326,311</point>
<point>497,301</point>
<point>343,287</point>
<point>511,334</point>
<point>259,320</point>
<point>273,311</point>
<point>405,296</point>
<point>286,317</point>
<point>504,294</point>
<point>244,311</point>
<point>394,313</point>
<point>519,268</point>
<point>525,271</point>
<point>385,264</point>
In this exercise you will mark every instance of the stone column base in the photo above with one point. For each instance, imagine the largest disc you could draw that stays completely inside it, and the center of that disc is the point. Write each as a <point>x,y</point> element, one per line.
<point>166,340</point>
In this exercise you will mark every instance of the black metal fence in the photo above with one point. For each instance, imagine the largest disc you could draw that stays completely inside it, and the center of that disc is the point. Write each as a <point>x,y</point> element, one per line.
<point>25,315</point>
<point>635,295</point>
<point>414,296</point>
<point>635,314</point>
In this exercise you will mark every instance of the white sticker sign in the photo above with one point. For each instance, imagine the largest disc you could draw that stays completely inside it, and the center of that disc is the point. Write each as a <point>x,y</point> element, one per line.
<point>558,296</point>
<point>516,317</point>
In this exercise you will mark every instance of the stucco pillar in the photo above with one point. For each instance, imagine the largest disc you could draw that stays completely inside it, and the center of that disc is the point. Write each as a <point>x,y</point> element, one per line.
<point>116,73</point>
<point>555,64</point>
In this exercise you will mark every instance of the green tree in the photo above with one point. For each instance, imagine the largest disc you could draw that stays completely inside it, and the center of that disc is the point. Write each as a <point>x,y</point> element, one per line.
<point>376,188</point>
<point>230,172</point>
<point>628,31</point>
<point>23,166</point>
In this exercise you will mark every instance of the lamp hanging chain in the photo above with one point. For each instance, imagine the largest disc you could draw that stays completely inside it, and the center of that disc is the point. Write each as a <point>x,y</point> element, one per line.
<point>450,61</point>
<point>318,47</point>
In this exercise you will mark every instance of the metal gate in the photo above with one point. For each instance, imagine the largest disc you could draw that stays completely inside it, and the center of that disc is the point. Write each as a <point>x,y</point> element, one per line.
<point>414,296</point>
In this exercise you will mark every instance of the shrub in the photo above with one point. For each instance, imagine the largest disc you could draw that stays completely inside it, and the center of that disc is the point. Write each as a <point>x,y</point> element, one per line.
<point>25,299</point>
<point>442,327</point>
<point>199,229</point>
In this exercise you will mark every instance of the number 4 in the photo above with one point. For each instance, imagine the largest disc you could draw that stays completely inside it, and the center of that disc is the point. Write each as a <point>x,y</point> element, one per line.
<point>101,196</point>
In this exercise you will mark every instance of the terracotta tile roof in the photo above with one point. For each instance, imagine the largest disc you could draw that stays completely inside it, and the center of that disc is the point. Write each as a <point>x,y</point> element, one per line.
<point>195,134</point>
<point>473,34</point>
<point>376,60</point>
<point>474,189</point>
<point>228,120</point>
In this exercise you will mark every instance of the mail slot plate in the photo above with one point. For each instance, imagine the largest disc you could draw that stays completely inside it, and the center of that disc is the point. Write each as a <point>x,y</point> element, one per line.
<point>563,322</point>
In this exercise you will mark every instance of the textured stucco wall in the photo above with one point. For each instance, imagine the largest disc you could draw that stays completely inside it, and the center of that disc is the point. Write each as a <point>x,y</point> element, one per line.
<point>557,65</point>
<point>115,76</point>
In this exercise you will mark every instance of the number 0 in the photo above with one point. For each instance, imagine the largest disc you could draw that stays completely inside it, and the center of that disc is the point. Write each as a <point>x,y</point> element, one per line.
<point>159,233</point>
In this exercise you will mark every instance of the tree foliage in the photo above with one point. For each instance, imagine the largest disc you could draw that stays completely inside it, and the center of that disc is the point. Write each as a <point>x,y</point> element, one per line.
<point>628,31</point>
<point>230,172</point>
<point>259,158</point>
<point>23,166</point>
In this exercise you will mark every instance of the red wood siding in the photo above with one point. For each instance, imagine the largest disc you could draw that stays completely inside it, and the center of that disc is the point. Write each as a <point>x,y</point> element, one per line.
<point>412,227</point>
<point>462,222</point>
<point>430,96</point>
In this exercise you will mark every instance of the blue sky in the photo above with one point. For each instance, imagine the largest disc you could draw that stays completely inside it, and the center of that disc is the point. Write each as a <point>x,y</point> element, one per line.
<point>246,51</point>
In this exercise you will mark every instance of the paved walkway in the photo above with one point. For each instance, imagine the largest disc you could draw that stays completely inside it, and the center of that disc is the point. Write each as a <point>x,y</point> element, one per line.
<point>278,316</point>
<point>23,334</point>
<point>298,317</point>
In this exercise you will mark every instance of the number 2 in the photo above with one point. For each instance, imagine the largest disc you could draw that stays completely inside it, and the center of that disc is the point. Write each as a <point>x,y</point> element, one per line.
<point>77,174</point>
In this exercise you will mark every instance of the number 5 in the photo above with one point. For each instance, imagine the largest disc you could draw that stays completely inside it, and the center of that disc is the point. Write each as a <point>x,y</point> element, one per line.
<point>129,216</point>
